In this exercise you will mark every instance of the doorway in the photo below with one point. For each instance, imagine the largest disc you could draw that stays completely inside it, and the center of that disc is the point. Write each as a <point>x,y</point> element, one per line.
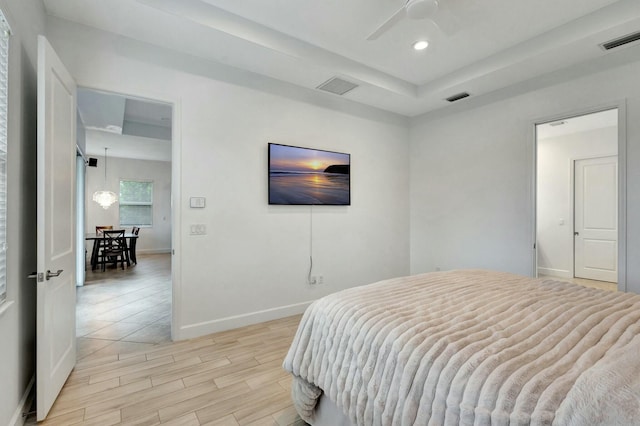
<point>126,309</point>
<point>577,198</point>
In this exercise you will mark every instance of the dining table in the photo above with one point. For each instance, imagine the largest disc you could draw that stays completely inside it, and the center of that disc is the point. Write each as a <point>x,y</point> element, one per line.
<point>98,238</point>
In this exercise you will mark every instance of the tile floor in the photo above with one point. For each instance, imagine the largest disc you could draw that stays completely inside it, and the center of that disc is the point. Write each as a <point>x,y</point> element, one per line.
<point>120,311</point>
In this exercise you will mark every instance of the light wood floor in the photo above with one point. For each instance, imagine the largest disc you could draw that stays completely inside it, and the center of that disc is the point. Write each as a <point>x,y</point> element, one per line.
<point>602,285</point>
<point>228,378</point>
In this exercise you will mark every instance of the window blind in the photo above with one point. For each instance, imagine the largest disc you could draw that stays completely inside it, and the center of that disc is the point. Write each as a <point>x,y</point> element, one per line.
<point>136,203</point>
<point>5,32</point>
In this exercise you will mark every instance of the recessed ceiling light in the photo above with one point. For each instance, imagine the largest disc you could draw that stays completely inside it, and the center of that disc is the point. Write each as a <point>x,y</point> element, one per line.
<point>420,45</point>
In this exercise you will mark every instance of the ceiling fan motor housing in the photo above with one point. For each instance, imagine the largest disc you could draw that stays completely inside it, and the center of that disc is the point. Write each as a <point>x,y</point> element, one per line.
<point>421,9</point>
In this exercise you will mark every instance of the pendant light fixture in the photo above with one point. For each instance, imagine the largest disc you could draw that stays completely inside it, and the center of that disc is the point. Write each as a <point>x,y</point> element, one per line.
<point>105,198</point>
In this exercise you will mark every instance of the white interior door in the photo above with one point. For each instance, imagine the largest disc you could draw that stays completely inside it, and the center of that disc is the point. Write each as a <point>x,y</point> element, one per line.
<point>596,218</point>
<point>56,340</point>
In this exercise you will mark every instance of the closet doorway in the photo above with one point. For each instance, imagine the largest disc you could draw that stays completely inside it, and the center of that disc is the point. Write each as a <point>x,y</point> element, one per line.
<point>577,199</point>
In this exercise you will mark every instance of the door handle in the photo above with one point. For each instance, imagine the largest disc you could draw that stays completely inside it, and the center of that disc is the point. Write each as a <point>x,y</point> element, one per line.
<point>53,274</point>
<point>576,233</point>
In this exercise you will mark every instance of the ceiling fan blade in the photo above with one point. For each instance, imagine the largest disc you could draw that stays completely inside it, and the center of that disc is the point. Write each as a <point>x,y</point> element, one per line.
<point>394,19</point>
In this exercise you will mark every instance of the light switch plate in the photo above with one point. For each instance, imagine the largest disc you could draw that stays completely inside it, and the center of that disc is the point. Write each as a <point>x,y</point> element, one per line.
<point>197,202</point>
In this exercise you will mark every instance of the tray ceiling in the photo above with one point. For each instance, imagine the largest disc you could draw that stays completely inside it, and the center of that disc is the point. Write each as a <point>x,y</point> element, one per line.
<point>475,46</point>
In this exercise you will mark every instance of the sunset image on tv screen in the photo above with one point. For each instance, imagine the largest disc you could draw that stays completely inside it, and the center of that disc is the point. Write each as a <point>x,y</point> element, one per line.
<point>303,176</point>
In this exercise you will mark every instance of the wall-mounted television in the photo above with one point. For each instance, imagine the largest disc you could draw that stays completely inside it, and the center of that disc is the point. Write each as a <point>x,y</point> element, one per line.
<point>305,176</point>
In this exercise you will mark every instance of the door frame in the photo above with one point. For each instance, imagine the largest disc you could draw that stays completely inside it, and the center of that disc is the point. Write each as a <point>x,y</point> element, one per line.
<point>622,182</point>
<point>176,197</point>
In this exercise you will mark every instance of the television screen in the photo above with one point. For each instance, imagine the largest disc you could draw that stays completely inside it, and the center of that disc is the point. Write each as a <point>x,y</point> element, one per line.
<point>304,176</point>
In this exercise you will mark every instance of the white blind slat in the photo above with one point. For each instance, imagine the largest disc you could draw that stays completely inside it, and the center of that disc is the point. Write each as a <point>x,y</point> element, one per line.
<point>5,32</point>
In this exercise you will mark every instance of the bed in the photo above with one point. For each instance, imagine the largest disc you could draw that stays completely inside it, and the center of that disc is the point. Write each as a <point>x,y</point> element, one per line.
<point>468,348</point>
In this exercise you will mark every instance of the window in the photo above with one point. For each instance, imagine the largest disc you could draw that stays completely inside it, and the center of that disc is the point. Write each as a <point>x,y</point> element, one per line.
<point>136,203</point>
<point>5,31</point>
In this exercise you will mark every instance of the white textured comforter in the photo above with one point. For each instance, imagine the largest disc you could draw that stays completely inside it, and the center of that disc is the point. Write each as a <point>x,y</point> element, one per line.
<point>471,348</point>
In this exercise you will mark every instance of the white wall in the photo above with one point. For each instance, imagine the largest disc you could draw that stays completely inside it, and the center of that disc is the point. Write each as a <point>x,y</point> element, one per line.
<point>17,316</point>
<point>554,216</point>
<point>153,239</point>
<point>253,262</point>
<point>469,187</point>
<point>472,174</point>
<point>469,192</point>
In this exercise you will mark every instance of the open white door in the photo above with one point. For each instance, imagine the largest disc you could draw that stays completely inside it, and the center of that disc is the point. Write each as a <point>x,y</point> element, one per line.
<point>56,334</point>
<point>596,219</point>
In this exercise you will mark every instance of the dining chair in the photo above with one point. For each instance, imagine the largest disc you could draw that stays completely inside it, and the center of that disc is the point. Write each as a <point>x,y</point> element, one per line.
<point>97,244</point>
<point>114,248</point>
<point>101,228</point>
<point>132,245</point>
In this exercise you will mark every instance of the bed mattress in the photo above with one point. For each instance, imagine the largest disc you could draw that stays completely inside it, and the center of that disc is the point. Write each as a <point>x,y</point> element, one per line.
<point>470,347</point>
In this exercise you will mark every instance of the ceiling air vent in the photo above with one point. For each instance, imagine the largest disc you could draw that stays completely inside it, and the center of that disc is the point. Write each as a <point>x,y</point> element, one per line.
<point>621,41</point>
<point>458,97</point>
<point>337,85</point>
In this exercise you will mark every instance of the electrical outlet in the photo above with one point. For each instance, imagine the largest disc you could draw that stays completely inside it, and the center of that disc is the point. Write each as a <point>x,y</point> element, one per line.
<point>320,279</point>
<point>313,280</point>
<point>198,229</point>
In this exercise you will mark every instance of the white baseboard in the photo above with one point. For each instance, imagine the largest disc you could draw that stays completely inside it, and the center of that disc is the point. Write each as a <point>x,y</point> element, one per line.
<point>560,273</point>
<point>201,329</point>
<point>153,251</point>
<point>23,406</point>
